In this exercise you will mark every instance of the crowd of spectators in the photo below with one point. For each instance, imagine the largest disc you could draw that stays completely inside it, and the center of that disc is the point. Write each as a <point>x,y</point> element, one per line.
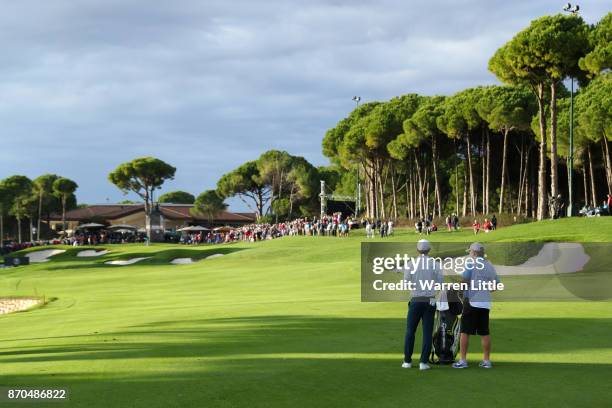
<point>12,246</point>
<point>486,226</point>
<point>426,225</point>
<point>384,228</point>
<point>333,225</point>
<point>604,209</point>
<point>104,237</point>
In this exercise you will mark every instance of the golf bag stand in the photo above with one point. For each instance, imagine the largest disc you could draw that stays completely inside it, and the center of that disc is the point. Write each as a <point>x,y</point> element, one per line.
<point>447,328</point>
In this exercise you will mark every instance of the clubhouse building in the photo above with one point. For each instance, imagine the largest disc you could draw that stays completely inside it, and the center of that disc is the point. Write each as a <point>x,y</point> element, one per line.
<point>171,217</point>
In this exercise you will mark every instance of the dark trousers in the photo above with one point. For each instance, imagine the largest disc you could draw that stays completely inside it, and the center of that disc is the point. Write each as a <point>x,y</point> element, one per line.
<point>417,311</point>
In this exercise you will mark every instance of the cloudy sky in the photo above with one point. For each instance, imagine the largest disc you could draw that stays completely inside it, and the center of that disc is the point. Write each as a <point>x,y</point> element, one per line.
<point>206,85</point>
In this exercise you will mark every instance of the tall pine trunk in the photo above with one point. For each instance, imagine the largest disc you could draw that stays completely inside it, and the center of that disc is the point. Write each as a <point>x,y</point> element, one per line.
<point>394,198</point>
<point>592,175</point>
<point>381,186</point>
<point>420,180</point>
<point>40,199</point>
<point>19,229</point>
<point>542,190</point>
<point>503,174</point>
<point>471,174</point>
<point>366,184</point>
<point>526,180</point>
<point>534,194</point>
<point>371,175</point>
<point>260,203</point>
<point>456,190</point>
<point>408,209</point>
<point>456,180</point>
<point>554,170</point>
<point>409,203</point>
<point>585,184</point>
<point>606,153</point>
<point>483,166</point>
<point>434,153</point>
<point>465,192</point>
<point>291,200</point>
<point>520,183</point>
<point>426,192</point>
<point>64,199</point>
<point>488,171</point>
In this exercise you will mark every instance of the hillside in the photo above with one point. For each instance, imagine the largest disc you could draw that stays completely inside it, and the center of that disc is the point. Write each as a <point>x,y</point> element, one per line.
<point>276,322</point>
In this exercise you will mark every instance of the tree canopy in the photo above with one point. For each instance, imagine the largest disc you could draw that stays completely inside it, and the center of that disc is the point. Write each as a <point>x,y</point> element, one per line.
<point>600,57</point>
<point>142,176</point>
<point>209,203</point>
<point>177,197</point>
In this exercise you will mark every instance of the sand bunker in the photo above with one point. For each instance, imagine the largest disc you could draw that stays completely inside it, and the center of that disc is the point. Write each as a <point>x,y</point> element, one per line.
<point>553,258</point>
<point>181,261</point>
<point>43,256</point>
<point>91,253</point>
<point>18,304</point>
<point>214,256</point>
<point>126,261</point>
<point>185,261</point>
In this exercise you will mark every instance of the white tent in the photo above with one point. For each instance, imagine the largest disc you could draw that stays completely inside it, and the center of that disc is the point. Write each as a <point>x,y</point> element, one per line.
<point>90,225</point>
<point>123,226</point>
<point>193,228</point>
<point>223,229</point>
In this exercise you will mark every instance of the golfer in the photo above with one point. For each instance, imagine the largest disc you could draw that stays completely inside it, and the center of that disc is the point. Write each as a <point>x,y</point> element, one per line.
<point>476,306</point>
<point>422,304</point>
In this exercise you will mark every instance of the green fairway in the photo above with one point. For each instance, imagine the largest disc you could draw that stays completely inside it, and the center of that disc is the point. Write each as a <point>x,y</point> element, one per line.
<point>280,323</point>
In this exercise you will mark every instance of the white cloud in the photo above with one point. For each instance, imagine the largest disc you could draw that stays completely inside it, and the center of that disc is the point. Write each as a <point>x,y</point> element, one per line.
<point>207,85</point>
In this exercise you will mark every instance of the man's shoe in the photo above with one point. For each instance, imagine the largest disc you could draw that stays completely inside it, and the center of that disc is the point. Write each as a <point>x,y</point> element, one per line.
<point>424,366</point>
<point>460,364</point>
<point>485,364</point>
<point>406,365</point>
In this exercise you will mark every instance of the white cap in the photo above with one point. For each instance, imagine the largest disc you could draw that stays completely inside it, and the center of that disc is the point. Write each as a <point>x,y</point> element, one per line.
<point>476,247</point>
<point>423,245</point>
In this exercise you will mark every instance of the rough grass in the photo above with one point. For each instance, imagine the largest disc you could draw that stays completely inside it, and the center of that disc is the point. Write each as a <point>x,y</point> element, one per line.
<point>280,323</point>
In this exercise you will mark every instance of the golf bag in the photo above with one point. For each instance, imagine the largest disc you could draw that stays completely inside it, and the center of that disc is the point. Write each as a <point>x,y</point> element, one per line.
<point>446,328</point>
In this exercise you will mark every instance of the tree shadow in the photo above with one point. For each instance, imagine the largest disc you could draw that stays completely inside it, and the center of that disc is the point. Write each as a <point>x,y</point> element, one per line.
<point>222,337</point>
<point>306,361</point>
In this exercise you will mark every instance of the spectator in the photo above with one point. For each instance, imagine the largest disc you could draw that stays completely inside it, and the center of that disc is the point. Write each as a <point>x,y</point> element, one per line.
<point>369,229</point>
<point>427,226</point>
<point>476,227</point>
<point>419,226</point>
<point>487,226</point>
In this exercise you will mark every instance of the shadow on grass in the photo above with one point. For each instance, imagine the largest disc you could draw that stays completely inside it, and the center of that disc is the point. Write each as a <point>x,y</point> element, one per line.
<point>210,338</point>
<point>307,361</point>
<point>332,382</point>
